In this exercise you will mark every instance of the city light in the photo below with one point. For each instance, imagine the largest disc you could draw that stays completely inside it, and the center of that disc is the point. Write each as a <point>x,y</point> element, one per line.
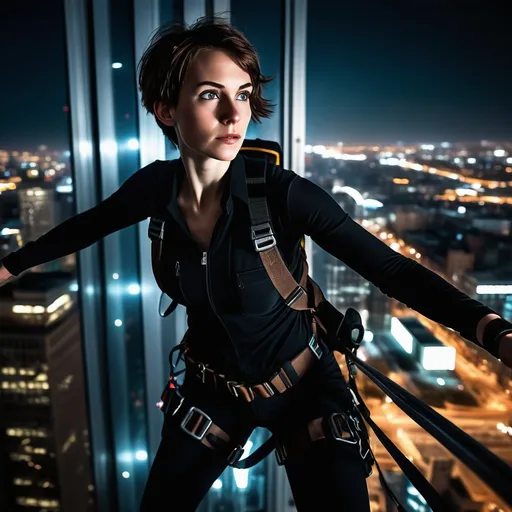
<point>133,144</point>
<point>134,289</point>
<point>494,289</point>
<point>402,335</point>
<point>438,358</point>
<point>109,147</point>
<point>85,148</point>
<point>141,455</point>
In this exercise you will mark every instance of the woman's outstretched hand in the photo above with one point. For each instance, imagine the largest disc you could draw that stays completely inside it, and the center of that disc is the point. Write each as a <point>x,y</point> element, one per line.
<point>505,350</point>
<point>5,275</point>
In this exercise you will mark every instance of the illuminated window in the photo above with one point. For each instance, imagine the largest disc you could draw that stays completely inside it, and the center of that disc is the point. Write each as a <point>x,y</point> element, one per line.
<point>22,482</point>
<point>18,457</point>
<point>27,502</point>
<point>27,432</point>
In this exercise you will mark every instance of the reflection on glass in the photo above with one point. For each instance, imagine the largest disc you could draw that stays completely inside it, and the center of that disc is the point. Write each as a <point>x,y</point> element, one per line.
<point>240,490</point>
<point>44,438</point>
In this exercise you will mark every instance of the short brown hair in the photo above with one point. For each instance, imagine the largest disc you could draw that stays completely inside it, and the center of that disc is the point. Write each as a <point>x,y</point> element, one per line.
<point>163,66</point>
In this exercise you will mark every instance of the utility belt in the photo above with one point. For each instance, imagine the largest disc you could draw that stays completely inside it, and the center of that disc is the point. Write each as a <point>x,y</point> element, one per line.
<point>288,376</point>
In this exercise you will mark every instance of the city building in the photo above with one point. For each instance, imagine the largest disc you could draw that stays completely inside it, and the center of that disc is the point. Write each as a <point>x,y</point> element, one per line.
<point>44,431</point>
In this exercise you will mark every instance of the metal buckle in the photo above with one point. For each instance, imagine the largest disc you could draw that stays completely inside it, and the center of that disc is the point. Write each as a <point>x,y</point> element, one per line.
<point>202,428</point>
<point>202,369</point>
<point>355,421</point>
<point>268,387</point>
<point>232,385</point>
<point>261,234</point>
<point>235,455</point>
<point>295,296</point>
<point>337,433</point>
<point>315,347</point>
<point>177,408</point>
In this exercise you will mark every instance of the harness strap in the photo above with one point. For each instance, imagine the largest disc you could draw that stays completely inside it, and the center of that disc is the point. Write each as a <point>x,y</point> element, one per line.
<point>338,426</point>
<point>156,232</point>
<point>293,293</point>
<point>289,375</point>
<point>197,424</point>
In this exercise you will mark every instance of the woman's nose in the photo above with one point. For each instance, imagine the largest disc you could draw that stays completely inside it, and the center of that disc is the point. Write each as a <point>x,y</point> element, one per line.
<point>229,113</point>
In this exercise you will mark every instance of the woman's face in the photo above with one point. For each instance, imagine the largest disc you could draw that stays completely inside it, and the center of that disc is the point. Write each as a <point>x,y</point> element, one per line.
<point>213,103</point>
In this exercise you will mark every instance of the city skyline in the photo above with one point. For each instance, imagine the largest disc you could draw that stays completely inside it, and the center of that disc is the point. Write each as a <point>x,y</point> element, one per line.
<point>423,71</point>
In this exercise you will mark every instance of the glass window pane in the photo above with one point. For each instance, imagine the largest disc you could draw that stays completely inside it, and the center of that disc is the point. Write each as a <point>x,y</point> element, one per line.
<point>241,490</point>
<point>44,436</point>
<point>268,43</point>
<point>408,129</point>
<point>118,122</point>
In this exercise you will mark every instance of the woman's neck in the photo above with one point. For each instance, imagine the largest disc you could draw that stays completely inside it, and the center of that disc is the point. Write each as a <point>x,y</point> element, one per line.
<point>204,182</point>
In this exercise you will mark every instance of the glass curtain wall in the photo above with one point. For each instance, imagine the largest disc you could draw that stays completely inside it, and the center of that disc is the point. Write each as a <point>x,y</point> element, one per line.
<point>126,343</point>
<point>107,150</point>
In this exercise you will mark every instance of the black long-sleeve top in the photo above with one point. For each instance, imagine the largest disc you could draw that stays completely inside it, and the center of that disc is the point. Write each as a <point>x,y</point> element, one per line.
<point>237,320</point>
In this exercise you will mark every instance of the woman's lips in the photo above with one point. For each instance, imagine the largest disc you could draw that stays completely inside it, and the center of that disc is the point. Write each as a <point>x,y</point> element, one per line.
<point>230,139</point>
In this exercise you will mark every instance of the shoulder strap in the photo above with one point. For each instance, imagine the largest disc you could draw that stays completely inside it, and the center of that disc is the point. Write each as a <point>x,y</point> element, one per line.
<point>293,293</point>
<point>156,231</point>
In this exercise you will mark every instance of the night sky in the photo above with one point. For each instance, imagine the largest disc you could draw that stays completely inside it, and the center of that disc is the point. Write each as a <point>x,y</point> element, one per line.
<point>426,71</point>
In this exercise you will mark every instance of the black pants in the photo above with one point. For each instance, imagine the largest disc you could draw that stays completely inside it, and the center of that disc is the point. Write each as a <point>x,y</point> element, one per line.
<point>326,475</point>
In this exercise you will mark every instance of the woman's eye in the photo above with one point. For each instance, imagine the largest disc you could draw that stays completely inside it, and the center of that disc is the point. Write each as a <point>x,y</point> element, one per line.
<point>208,95</point>
<point>245,95</point>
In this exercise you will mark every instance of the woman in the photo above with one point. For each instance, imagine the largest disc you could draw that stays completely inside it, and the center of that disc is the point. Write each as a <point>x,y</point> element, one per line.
<point>251,360</point>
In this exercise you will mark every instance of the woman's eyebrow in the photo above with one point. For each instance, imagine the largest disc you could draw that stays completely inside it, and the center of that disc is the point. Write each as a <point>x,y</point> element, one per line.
<point>220,86</point>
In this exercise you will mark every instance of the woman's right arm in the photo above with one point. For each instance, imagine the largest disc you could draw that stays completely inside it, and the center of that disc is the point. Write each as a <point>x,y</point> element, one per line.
<point>133,202</point>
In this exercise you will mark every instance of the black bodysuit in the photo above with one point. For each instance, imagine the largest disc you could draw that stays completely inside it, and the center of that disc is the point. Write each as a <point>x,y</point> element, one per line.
<point>237,320</point>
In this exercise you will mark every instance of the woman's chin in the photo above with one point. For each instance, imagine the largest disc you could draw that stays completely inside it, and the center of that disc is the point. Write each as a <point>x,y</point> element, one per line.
<point>225,154</point>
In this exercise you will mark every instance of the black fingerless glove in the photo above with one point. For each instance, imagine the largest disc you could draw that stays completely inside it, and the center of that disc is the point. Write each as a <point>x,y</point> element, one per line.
<point>493,331</point>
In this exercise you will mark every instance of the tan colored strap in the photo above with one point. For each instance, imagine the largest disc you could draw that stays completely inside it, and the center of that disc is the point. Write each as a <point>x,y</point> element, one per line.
<point>216,431</point>
<point>278,384</point>
<point>282,279</point>
<point>246,392</point>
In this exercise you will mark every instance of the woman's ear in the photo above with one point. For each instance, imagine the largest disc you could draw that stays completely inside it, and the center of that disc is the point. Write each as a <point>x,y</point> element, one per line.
<point>164,113</point>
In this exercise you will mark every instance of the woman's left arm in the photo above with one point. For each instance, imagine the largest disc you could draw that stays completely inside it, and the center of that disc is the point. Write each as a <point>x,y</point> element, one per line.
<point>317,214</point>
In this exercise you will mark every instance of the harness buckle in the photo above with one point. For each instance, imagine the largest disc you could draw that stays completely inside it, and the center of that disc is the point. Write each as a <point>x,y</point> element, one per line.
<point>201,369</point>
<point>232,385</point>
<point>199,426</point>
<point>315,347</point>
<point>235,455</point>
<point>268,388</point>
<point>263,237</point>
<point>337,430</point>
<point>295,296</point>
